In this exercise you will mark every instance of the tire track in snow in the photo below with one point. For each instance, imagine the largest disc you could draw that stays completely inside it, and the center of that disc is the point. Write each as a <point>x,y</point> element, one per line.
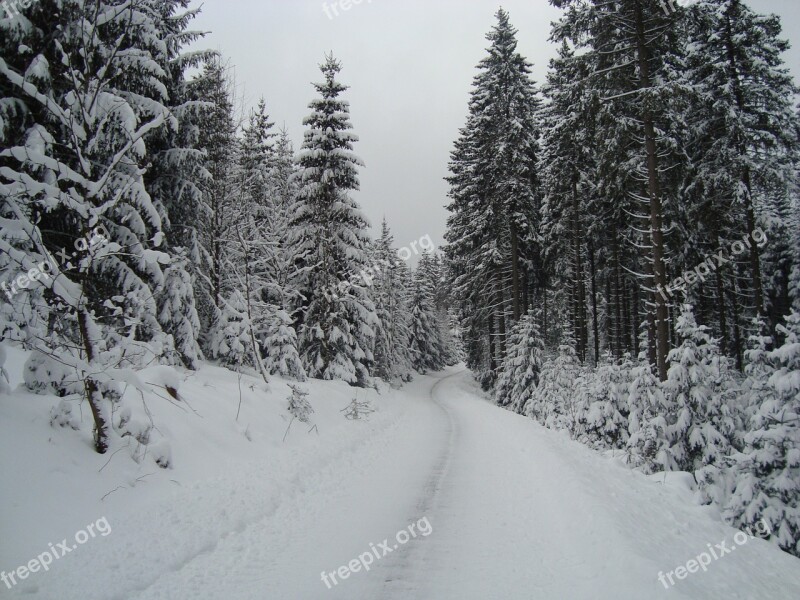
<point>408,562</point>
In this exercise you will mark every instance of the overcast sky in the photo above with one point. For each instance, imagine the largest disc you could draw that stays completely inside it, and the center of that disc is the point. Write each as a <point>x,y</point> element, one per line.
<point>410,65</point>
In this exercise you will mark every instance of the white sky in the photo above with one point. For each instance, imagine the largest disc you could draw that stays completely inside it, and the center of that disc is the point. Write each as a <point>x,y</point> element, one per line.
<point>410,65</point>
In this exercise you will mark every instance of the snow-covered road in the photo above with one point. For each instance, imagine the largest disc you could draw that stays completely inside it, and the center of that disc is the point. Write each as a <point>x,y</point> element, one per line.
<point>516,512</point>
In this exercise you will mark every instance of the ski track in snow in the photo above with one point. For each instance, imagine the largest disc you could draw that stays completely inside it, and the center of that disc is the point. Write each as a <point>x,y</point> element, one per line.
<point>517,512</point>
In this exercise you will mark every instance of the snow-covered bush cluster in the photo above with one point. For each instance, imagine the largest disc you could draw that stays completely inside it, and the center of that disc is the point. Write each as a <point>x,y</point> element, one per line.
<point>738,434</point>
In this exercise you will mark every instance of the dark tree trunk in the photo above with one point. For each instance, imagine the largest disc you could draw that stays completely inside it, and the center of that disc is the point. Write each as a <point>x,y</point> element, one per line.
<point>661,316</point>
<point>595,327</point>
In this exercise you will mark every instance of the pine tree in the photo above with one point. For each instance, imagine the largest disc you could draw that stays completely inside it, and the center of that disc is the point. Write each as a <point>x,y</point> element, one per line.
<point>648,446</point>
<point>566,166</point>
<point>175,172</point>
<point>745,127</point>
<point>700,426</point>
<point>493,192</point>
<point>554,403</point>
<point>221,192</point>
<point>230,341</point>
<point>606,416</point>
<point>768,470</point>
<point>177,313</point>
<point>338,320</point>
<point>639,123</point>
<point>256,156</point>
<point>390,295</point>
<point>279,346</point>
<point>425,340</point>
<point>519,376</point>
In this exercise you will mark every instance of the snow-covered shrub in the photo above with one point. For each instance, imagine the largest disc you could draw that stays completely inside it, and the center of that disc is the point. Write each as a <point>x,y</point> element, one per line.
<point>519,374</point>
<point>279,345</point>
<point>554,402</point>
<point>605,421</point>
<point>298,405</point>
<point>230,341</point>
<point>45,375</point>
<point>63,415</point>
<point>178,315</point>
<point>357,409</point>
<point>701,425</point>
<point>647,447</point>
<point>768,469</point>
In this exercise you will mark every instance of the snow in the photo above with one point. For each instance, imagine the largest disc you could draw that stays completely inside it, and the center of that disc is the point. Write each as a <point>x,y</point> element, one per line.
<point>516,511</point>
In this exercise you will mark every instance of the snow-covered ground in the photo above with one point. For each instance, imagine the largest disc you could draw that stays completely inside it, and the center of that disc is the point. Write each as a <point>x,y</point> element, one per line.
<point>515,511</point>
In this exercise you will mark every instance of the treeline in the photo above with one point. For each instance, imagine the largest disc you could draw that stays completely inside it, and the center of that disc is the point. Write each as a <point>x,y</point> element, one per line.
<point>624,243</point>
<point>218,240</point>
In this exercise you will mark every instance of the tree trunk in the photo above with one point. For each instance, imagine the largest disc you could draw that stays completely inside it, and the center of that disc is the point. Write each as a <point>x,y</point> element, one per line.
<point>654,192</point>
<point>737,330</point>
<point>595,327</point>
<point>580,286</point>
<point>515,283</point>
<point>93,394</point>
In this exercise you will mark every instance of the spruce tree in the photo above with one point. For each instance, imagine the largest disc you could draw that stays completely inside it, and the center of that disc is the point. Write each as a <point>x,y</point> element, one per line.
<point>425,338</point>
<point>700,422</point>
<point>338,320</point>
<point>768,470</point>
<point>493,191</point>
<point>519,376</point>
<point>391,297</point>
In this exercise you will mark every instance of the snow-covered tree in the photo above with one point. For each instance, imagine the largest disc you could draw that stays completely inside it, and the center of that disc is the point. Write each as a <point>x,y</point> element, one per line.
<point>298,405</point>
<point>493,188</point>
<point>648,446</point>
<point>700,425</point>
<point>605,421</point>
<point>768,469</point>
<point>279,345</point>
<point>521,368</point>
<point>230,341</point>
<point>178,315</point>
<point>555,402</point>
<point>221,207</point>
<point>338,320</point>
<point>391,297</point>
<point>81,93</point>
<point>425,336</point>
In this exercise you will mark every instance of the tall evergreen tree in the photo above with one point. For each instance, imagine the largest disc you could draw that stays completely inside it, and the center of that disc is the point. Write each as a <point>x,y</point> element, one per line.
<point>337,326</point>
<point>391,297</point>
<point>493,194</point>
<point>426,343</point>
